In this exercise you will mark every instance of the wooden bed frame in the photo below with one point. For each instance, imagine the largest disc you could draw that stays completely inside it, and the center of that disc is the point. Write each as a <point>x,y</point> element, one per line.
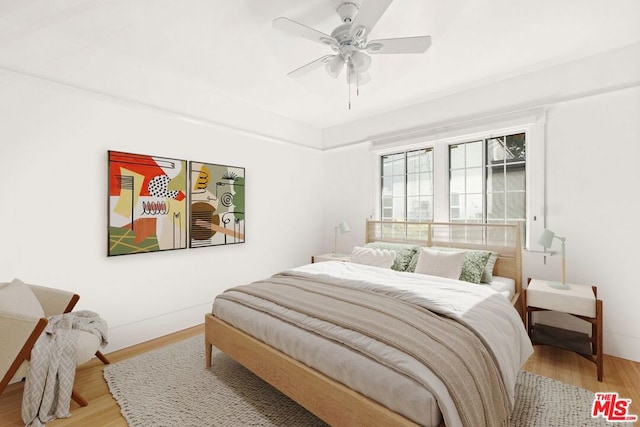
<point>328,399</point>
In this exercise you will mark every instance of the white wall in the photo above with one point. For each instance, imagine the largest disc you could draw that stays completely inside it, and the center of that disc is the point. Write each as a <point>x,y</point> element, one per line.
<point>53,209</point>
<point>592,151</point>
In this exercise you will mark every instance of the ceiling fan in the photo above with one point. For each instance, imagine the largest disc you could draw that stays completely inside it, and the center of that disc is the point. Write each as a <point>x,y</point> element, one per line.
<point>349,42</point>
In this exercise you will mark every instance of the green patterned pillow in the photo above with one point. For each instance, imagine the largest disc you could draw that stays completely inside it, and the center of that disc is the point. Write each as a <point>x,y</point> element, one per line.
<point>404,253</point>
<point>487,276</point>
<point>474,265</point>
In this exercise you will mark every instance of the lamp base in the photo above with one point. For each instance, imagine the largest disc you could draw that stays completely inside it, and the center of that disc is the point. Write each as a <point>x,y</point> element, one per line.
<point>559,285</point>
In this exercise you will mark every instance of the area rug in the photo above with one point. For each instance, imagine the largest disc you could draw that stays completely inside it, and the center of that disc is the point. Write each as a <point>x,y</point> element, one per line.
<point>171,387</point>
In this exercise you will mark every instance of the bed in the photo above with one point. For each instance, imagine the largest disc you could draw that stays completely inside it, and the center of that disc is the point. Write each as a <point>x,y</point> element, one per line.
<point>323,370</point>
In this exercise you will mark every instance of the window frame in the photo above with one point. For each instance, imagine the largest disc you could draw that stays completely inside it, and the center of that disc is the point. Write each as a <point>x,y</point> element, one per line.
<point>405,157</point>
<point>531,122</point>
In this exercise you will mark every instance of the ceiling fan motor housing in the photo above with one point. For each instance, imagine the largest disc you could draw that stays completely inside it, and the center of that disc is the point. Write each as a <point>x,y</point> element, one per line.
<point>347,11</point>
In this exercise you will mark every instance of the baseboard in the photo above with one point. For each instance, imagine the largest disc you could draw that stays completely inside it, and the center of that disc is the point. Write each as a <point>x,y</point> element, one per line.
<point>622,346</point>
<point>147,329</point>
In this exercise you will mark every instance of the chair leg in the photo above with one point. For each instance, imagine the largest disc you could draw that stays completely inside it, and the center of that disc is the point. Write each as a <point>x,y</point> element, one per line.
<point>102,357</point>
<point>79,399</point>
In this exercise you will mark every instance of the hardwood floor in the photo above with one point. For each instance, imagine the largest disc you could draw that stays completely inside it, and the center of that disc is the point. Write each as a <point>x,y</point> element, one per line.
<point>620,376</point>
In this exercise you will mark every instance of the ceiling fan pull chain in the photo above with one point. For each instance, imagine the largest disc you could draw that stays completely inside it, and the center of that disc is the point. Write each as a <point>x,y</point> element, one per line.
<point>349,79</point>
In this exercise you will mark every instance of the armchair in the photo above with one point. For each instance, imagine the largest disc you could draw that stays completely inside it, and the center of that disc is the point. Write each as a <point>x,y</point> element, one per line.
<point>22,320</point>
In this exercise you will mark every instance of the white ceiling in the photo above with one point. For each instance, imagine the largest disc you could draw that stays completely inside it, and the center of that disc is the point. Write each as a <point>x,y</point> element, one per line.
<point>196,56</point>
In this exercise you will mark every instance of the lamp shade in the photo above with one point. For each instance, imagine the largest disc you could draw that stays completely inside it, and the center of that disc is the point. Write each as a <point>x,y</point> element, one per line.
<point>546,238</point>
<point>343,227</point>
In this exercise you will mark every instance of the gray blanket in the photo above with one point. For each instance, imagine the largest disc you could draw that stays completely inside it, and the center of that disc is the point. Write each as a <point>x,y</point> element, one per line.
<point>52,369</point>
<point>454,353</point>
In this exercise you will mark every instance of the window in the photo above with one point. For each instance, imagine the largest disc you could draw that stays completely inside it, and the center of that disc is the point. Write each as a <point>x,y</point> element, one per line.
<point>487,181</point>
<point>407,186</point>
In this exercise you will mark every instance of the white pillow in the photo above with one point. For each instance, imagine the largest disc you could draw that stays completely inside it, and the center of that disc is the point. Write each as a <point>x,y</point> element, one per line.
<point>440,263</point>
<point>376,257</point>
<point>18,298</point>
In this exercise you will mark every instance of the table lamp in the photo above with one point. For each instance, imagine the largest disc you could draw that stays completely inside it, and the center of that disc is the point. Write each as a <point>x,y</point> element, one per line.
<point>546,240</point>
<point>342,228</point>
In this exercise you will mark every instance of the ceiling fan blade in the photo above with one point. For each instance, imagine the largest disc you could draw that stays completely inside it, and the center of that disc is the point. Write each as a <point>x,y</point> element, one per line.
<point>417,44</point>
<point>368,16</point>
<point>313,65</point>
<point>292,27</point>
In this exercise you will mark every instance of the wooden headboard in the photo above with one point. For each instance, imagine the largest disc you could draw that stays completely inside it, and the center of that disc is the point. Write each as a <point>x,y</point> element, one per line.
<point>501,238</point>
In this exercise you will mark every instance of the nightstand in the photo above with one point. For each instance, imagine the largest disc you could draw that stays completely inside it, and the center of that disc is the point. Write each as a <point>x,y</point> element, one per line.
<point>580,301</point>
<point>330,257</point>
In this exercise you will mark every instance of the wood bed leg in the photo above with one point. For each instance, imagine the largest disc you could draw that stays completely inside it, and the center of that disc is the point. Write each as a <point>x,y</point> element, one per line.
<point>79,399</point>
<point>207,352</point>
<point>102,357</point>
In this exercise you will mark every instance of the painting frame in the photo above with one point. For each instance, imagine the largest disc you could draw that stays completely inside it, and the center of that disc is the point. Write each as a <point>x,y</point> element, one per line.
<point>216,204</point>
<point>147,203</point>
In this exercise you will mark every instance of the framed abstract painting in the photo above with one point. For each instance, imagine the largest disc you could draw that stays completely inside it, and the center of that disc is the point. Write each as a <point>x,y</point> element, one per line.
<point>217,205</point>
<point>147,203</point>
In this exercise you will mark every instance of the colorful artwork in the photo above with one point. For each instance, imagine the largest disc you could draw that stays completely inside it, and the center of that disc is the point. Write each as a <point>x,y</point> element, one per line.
<point>147,203</point>
<point>217,205</point>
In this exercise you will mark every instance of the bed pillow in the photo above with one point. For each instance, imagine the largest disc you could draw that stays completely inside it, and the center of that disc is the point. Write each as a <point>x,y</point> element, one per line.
<point>474,266</point>
<point>440,263</point>
<point>17,297</point>
<point>404,253</point>
<point>487,276</point>
<point>371,256</point>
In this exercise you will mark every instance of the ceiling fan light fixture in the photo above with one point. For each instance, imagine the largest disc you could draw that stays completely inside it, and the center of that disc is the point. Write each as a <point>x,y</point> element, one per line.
<point>361,61</point>
<point>334,66</point>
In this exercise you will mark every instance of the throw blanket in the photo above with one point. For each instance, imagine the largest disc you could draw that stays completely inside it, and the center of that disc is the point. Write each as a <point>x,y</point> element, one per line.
<point>52,370</point>
<point>449,349</point>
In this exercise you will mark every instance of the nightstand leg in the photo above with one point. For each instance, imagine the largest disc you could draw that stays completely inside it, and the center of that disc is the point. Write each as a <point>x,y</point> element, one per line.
<point>598,342</point>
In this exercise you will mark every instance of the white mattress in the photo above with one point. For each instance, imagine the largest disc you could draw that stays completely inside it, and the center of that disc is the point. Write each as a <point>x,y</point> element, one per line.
<point>504,285</point>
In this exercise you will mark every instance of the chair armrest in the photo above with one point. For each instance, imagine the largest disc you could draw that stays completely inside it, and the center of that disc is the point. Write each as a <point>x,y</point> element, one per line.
<point>18,333</point>
<point>54,301</point>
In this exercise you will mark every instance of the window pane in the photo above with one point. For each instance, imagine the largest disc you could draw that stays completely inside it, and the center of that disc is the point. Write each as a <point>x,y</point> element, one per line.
<point>474,154</point>
<point>457,207</point>
<point>456,156</point>
<point>426,184</point>
<point>426,161</point>
<point>474,180</point>
<point>398,208</point>
<point>516,146</point>
<point>516,205</point>
<point>386,167</point>
<point>474,207</point>
<point>456,184</point>
<point>398,167</point>
<point>398,186</point>
<point>516,179</point>
<point>495,178</point>
<point>413,208</point>
<point>495,151</point>
<point>413,164</point>
<point>413,184</point>
<point>387,186</point>
<point>495,206</point>
<point>426,211</point>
